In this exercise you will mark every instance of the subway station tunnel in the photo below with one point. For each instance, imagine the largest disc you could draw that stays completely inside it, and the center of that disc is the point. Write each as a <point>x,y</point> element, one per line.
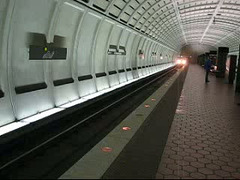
<point>115,89</point>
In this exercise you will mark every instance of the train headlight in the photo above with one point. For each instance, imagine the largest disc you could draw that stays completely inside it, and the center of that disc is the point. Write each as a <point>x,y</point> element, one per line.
<point>184,62</point>
<point>179,61</point>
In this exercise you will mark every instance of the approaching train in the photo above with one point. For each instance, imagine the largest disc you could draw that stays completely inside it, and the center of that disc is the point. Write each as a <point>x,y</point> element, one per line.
<point>182,61</point>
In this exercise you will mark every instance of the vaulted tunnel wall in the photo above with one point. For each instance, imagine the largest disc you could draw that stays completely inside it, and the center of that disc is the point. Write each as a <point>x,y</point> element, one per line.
<point>33,86</point>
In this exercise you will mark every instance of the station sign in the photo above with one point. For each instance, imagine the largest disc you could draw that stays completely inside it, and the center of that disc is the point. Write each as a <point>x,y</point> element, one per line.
<point>115,50</point>
<point>47,53</point>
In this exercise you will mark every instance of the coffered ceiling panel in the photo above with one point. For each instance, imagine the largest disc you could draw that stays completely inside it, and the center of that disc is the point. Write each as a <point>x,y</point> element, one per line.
<point>178,23</point>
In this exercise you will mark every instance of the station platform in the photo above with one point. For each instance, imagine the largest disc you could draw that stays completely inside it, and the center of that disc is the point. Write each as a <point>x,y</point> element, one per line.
<point>204,140</point>
<point>194,133</point>
<point>183,128</point>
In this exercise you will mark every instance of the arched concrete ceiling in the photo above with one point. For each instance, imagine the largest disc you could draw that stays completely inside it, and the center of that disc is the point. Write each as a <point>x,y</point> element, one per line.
<point>196,49</point>
<point>177,23</point>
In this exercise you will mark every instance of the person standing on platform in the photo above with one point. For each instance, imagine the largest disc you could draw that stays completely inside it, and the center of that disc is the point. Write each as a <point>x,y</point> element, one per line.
<point>207,66</point>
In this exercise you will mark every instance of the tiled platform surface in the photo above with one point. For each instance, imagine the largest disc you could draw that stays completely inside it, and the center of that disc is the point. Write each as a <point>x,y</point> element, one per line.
<point>204,140</point>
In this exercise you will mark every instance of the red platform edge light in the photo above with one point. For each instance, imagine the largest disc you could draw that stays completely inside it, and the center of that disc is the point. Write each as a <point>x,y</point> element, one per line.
<point>107,149</point>
<point>147,106</point>
<point>126,128</point>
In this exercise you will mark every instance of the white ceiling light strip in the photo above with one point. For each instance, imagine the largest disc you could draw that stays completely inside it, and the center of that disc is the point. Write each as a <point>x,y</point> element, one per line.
<point>212,19</point>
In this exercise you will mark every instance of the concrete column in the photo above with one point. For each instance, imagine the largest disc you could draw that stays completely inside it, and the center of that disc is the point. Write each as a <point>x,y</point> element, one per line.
<point>232,68</point>
<point>238,77</point>
<point>221,61</point>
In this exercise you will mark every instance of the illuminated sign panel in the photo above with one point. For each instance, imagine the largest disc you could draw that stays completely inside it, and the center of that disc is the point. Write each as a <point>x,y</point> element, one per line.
<point>47,53</point>
<point>114,50</point>
<point>141,54</point>
<point>122,50</point>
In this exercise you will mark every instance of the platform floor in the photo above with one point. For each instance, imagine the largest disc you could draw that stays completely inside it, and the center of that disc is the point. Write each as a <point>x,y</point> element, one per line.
<point>204,140</point>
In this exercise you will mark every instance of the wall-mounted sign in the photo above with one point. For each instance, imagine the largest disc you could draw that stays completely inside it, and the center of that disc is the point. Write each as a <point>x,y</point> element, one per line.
<point>122,50</point>
<point>47,53</point>
<point>114,50</point>
<point>154,54</point>
<point>141,54</point>
<point>161,56</point>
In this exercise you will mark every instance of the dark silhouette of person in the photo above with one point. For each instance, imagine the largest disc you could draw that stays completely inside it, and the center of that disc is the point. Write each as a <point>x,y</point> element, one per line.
<point>207,66</point>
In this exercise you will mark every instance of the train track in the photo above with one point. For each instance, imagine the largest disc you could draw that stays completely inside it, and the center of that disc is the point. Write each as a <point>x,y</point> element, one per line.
<point>88,130</point>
